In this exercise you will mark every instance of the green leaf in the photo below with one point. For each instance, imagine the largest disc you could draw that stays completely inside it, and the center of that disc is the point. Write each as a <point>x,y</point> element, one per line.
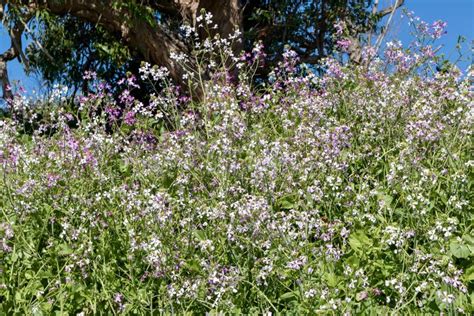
<point>19,296</point>
<point>286,202</point>
<point>359,241</point>
<point>331,279</point>
<point>14,257</point>
<point>65,250</point>
<point>469,274</point>
<point>468,239</point>
<point>289,296</point>
<point>459,250</point>
<point>193,266</point>
<point>142,296</point>
<point>353,261</point>
<point>287,205</point>
<point>200,234</point>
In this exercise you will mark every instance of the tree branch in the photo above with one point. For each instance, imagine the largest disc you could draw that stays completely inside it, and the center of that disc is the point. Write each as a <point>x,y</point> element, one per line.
<point>384,12</point>
<point>392,9</point>
<point>15,50</point>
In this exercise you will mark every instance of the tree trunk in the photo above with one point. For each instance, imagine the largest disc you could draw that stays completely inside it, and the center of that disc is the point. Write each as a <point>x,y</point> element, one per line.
<point>7,93</point>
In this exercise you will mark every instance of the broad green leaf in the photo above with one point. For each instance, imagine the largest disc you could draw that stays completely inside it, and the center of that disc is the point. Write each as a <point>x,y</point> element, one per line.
<point>65,250</point>
<point>468,239</point>
<point>353,261</point>
<point>469,274</point>
<point>287,205</point>
<point>459,250</point>
<point>200,234</point>
<point>331,279</point>
<point>359,241</point>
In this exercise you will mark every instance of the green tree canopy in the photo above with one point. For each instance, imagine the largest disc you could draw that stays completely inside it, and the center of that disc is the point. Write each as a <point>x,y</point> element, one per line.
<point>109,37</point>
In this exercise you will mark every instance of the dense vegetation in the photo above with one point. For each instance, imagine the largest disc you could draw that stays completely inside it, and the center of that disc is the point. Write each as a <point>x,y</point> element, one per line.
<point>68,37</point>
<point>347,193</point>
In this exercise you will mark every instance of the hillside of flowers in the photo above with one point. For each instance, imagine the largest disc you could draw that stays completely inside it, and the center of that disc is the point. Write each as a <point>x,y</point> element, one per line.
<point>343,193</point>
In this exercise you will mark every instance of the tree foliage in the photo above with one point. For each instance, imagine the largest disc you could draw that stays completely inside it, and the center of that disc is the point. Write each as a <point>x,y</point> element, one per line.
<point>71,36</point>
<point>80,47</point>
<point>306,25</point>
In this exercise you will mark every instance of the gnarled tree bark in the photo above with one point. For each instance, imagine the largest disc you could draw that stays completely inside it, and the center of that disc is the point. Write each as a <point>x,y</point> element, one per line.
<point>14,51</point>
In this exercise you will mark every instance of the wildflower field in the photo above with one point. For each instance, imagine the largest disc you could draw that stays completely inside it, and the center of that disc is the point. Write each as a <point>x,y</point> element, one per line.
<point>346,193</point>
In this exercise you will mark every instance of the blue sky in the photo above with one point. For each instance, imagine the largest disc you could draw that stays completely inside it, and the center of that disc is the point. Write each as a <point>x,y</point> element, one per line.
<point>459,14</point>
